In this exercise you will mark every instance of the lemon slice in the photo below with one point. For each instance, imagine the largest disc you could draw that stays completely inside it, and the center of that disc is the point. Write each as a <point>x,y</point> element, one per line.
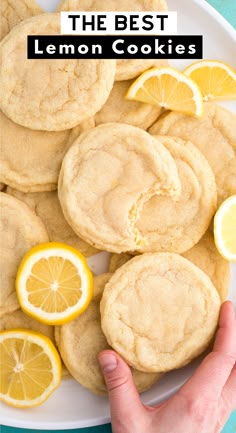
<point>54,283</point>
<point>30,368</point>
<point>225,229</point>
<point>167,88</point>
<point>217,80</point>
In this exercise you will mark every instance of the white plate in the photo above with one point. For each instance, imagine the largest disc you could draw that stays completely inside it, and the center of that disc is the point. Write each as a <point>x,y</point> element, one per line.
<point>72,406</point>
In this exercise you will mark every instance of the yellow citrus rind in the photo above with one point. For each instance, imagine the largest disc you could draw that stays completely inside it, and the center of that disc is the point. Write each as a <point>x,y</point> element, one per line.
<point>168,88</point>
<point>46,298</point>
<point>225,229</point>
<point>30,368</point>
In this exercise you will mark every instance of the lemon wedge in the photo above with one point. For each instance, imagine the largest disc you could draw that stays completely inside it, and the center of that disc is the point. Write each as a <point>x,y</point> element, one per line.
<point>216,80</point>
<point>167,88</point>
<point>30,368</point>
<point>54,283</point>
<point>225,229</point>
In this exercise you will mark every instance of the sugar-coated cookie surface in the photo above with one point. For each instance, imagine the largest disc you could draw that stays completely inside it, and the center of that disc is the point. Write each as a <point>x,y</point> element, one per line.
<point>177,225</point>
<point>214,135</point>
<point>13,12</point>
<point>47,206</point>
<point>126,69</point>
<point>112,5</point>
<point>106,176</point>
<point>159,311</point>
<point>30,161</point>
<point>51,95</point>
<point>18,319</point>
<point>81,340</point>
<point>118,260</point>
<point>206,256</point>
<point>119,109</point>
<point>20,230</point>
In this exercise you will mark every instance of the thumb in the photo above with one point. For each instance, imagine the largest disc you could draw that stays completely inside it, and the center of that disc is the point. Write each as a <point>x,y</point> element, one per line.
<point>124,399</point>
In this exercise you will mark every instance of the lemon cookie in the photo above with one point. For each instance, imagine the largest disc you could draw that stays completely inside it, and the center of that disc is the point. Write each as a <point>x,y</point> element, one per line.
<point>81,340</point>
<point>118,260</point>
<point>14,11</point>
<point>159,311</point>
<point>106,177</point>
<point>215,137</point>
<point>176,226</point>
<point>99,283</point>
<point>126,69</point>
<point>206,256</point>
<point>47,206</point>
<point>18,319</point>
<point>51,94</point>
<point>132,68</point>
<point>119,109</point>
<point>20,229</point>
<point>112,5</point>
<point>57,335</point>
<point>30,161</point>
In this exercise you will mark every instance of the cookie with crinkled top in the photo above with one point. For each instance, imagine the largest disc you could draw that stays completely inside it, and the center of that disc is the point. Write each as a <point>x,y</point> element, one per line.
<point>18,319</point>
<point>50,94</point>
<point>12,12</point>
<point>214,135</point>
<point>118,260</point>
<point>131,68</point>
<point>206,256</point>
<point>80,342</point>
<point>159,311</point>
<point>47,207</point>
<point>119,109</point>
<point>177,225</point>
<point>106,177</point>
<point>20,230</point>
<point>30,161</point>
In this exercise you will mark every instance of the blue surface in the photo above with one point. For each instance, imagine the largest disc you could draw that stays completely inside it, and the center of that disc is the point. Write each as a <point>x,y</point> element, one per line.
<point>228,9</point>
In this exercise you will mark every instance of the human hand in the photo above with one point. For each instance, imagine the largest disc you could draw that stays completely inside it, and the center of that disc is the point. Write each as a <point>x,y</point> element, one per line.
<point>202,405</point>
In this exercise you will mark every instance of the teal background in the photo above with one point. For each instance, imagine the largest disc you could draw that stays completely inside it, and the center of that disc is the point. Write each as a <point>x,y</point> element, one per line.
<point>228,9</point>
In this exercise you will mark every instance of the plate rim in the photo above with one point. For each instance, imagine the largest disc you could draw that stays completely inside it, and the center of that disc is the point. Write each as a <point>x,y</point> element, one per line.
<point>217,16</point>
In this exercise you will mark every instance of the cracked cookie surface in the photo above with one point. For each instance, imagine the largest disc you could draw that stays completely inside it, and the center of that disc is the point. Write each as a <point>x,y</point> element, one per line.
<point>206,256</point>
<point>106,176</point>
<point>47,207</point>
<point>30,161</point>
<point>65,91</point>
<point>12,12</point>
<point>20,230</point>
<point>177,225</point>
<point>126,69</point>
<point>81,340</point>
<point>159,311</point>
<point>119,109</point>
<point>214,135</point>
<point>18,319</point>
<point>118,260</point>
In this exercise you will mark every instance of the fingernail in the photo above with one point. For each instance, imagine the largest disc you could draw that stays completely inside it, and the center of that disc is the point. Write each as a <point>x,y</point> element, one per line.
<point>108,362</point>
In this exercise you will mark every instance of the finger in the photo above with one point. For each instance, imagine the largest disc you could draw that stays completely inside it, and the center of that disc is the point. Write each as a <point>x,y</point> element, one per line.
<point>229,391</point>
<point>124,398</point>
<point>225,339</point>
<point>210,378</point>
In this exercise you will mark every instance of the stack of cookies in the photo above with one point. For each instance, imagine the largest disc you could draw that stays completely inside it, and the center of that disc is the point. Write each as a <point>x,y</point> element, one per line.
<point>82,165</point>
